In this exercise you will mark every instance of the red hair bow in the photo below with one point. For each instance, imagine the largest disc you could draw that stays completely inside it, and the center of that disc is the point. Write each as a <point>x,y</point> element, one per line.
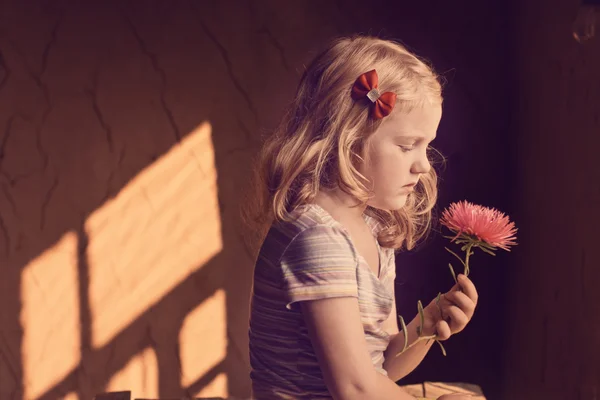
<point>366,86</point>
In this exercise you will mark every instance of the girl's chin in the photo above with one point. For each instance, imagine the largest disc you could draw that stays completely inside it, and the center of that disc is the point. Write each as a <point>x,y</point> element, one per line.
<point>390,204</point>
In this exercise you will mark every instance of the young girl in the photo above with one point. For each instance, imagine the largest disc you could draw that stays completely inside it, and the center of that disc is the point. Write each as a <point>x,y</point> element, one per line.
<point>343,183</point>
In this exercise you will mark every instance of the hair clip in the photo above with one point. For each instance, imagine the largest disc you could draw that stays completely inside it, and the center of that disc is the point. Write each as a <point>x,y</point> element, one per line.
<point>366,86</point>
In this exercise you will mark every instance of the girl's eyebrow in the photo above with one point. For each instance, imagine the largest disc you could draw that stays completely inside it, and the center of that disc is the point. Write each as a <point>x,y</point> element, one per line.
<point>415,138</point>
<point>411,137</point>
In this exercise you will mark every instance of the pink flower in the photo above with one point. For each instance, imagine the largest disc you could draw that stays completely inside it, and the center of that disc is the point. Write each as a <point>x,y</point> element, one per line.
<point>486,224</point>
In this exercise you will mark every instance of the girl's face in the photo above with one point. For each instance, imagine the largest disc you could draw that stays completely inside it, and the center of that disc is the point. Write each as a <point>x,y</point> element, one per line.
<point>396,155</point>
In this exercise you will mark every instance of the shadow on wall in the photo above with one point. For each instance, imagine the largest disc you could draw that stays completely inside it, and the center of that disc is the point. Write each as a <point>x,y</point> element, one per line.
<point>128,132</point>
<point>115,244</point>
<point>136,288</point>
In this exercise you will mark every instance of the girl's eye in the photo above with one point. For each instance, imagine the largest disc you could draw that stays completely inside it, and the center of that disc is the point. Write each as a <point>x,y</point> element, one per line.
<point>406,149</point>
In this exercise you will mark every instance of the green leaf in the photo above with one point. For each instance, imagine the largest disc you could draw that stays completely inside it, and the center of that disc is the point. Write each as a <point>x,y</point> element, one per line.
<point>442,347</point>
<point>455,255</point>
<point>490,247</point>
<point>437,302</point>
<point>405,331</point>
<point>490,252</point>
<point>461,240</point>
<point>453,273</point>
<point>458,239</point>
<point>421,314</point>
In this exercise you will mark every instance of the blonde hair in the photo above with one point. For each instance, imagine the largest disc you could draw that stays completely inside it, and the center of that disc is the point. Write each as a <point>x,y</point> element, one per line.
<point>320,141</point>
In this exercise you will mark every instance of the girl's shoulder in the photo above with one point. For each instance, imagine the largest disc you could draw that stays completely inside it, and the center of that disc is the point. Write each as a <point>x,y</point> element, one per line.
<point>308,229</point>
<point>308,219</point>
<point>312,218</point>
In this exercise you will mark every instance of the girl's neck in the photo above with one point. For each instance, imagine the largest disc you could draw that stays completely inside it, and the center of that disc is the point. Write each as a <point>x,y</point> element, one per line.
<point>339,204</point>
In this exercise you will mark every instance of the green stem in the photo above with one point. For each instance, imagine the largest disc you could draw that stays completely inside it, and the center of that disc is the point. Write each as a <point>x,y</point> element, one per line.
<point>419,339</point>
<point>466,263</point>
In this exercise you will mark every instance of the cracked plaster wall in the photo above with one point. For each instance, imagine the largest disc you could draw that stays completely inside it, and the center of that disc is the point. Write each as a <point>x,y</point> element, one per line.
<point>126,132</point>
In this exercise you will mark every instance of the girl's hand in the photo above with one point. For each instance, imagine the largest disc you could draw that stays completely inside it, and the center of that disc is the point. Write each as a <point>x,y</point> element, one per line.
<point>453,312</point>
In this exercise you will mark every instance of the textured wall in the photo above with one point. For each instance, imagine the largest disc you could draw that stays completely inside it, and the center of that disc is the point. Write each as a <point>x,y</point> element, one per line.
<point>553,345</point>
<point>126,131</point>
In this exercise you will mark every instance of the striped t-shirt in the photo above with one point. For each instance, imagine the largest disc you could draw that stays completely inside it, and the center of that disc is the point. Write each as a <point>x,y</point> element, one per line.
<point>311,257</point>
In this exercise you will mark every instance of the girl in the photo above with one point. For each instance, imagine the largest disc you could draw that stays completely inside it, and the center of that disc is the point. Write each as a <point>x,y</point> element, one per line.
<point>343,183</point>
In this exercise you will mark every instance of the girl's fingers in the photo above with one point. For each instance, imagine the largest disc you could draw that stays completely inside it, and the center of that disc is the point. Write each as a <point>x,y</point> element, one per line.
<point>458,319</point>
<point>468,287</point>
<point>442,330</point>
<point>462,301</point>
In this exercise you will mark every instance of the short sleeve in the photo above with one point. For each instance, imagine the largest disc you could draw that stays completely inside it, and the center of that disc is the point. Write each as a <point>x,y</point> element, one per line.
<point>320,263</point>
<point>390,263</point>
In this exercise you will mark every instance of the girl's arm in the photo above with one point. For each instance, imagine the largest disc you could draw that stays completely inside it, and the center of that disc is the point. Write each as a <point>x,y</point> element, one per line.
<point>338,338</point>
<point>458,305</point>
<point>399,367</point>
